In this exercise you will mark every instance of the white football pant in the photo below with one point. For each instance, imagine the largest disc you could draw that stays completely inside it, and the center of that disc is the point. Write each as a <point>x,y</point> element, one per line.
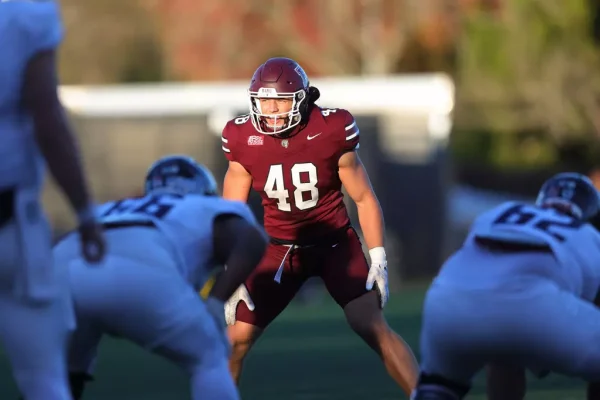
<point>525,320</point>
<point>139,294</point>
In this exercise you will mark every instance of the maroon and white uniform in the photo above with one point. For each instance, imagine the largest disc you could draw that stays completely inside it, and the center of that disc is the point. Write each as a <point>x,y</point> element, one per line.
<point>302,197</point>
<point>304,212</point>
<point>297,178</point>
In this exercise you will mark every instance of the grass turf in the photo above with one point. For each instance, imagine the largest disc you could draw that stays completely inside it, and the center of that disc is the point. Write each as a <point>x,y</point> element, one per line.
<point>307,354</point>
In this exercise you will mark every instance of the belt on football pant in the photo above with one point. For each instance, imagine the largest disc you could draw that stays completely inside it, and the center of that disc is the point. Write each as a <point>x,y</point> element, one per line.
<point>330,239</point>
<point>107,226</point>
<point>127,224</point>
<point>501,246</point>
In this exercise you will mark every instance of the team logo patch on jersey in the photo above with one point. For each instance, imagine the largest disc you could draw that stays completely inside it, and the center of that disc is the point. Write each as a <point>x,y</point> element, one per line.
<point>255,140</point>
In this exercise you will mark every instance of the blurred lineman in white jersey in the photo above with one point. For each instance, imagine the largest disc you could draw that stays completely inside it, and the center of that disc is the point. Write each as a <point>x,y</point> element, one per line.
<point>163,248</point>
<point>519,293</point>
<point>33,131</point>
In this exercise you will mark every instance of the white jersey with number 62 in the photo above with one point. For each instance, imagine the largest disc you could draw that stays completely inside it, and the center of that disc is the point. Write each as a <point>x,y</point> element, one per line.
<point>575,245</point>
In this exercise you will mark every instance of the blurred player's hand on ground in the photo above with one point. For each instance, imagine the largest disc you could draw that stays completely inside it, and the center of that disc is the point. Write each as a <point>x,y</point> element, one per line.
<point>241,294</point>
<point>93,244</point>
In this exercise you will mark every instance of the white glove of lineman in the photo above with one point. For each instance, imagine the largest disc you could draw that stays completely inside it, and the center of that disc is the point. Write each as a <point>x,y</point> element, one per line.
<point>216,309</point>
<point>378,275</point>
<point>241,294</point>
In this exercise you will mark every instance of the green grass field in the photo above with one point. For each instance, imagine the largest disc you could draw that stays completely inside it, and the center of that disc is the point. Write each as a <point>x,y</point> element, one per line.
<point>308,354</point>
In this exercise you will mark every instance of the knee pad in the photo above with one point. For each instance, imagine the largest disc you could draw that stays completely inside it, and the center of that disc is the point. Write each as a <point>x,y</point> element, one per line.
<point>436,387</point>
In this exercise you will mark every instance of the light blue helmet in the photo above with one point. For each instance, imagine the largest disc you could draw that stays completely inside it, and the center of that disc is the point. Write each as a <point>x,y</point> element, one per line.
<point>571,193</point>
<point>181,175</point>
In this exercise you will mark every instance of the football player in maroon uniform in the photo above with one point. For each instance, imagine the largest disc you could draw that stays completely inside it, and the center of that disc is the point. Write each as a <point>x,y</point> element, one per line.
<point>298,155</point>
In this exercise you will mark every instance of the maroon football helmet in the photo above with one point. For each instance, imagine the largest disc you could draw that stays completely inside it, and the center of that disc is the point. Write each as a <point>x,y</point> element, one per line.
<point>280,78</point>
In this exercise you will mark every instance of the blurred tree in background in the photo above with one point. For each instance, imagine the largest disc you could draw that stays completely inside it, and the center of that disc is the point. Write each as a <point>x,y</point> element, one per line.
<point>109,41</point>
<point>527,72</point>
<point>150,40</point>
<point>209,39</point>
<point>528,81</point>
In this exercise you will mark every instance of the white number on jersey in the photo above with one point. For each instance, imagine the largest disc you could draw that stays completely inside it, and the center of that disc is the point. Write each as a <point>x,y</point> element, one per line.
<point>150,206</point>
<point>521,215</point>
<point>275,186</point>
<point>327,111</point>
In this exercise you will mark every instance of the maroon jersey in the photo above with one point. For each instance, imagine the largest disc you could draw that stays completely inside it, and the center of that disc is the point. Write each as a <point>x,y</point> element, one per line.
<point>297,177</point>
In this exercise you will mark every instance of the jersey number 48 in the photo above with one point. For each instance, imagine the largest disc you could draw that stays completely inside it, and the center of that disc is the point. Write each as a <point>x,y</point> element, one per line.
<point>306,194</point>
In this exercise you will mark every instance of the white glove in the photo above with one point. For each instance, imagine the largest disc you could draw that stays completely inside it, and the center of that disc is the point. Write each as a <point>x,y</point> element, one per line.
<point>378,275</point>
<point>216,309</point>
<point>241,294</point>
